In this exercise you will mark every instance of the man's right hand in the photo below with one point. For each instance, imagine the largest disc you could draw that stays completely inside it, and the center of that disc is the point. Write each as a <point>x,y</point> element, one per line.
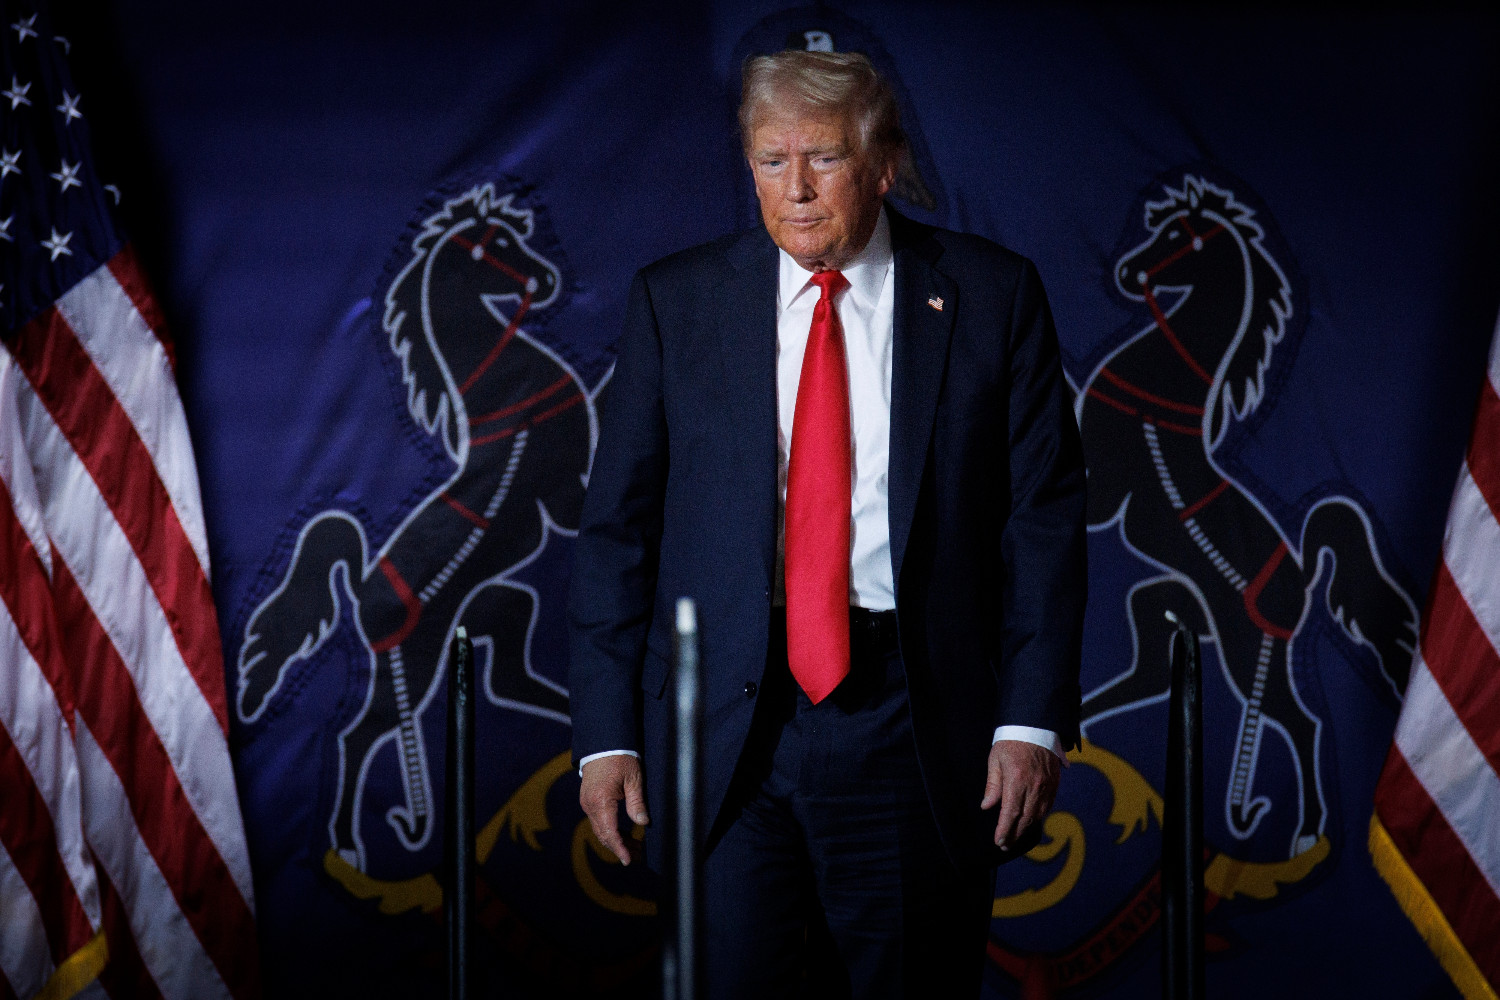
<point>607,780</point>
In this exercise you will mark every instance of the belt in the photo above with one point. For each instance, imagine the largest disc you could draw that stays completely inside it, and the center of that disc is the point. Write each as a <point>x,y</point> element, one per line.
<point>871,632</point>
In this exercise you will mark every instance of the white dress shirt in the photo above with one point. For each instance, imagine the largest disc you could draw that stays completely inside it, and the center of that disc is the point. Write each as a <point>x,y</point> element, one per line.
<point>866,310</point>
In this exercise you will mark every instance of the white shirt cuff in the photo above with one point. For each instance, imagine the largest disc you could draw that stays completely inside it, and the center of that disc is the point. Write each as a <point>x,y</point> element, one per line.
<point>632,753</point>
<point>1025,734</point>
<point>1030,734</point>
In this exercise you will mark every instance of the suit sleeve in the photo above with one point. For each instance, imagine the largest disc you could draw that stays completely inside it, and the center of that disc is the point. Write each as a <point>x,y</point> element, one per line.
<point>616,552</point>
<point>1043,543</point>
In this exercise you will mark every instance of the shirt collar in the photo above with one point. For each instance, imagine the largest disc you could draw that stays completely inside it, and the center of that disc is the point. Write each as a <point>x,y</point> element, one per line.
<point>865,273</point>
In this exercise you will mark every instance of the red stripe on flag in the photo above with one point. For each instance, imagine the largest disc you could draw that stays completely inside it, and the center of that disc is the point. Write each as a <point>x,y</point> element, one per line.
<point>1440,860</point>
<point>125,976</point>
<point>1484,447</point>
<point>26,825</point>
<point>25,589</point>
<point>101,433</point>
<point>127,271</point>
<point>186,855</point>
<point>1463,663</point>
<point>30,838</point>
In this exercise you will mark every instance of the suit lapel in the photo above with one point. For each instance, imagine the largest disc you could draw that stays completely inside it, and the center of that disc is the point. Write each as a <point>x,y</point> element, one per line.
<point>746,311</point>
<point>746,315</point>
<point>926,303</point>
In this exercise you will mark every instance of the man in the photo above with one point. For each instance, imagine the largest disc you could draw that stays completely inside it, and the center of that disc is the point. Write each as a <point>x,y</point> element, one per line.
<point>890,682</point>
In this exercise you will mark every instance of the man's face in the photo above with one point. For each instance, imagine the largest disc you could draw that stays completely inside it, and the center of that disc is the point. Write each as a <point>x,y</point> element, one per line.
<point>819,192</point>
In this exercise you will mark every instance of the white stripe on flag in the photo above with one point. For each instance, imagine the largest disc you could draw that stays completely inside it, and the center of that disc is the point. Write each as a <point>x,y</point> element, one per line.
<point>1495,358</point>
<point>30,713</point>
<point>91,543</point>
<point>1445,759</point>
<point>164,939</point>
<point>133,362</point>
<point>1471,548</point>
<point>25,958</point>
<point>15,466</point>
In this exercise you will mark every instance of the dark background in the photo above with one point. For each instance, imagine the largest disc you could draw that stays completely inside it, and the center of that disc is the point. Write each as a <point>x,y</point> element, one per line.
<point>272,155</point>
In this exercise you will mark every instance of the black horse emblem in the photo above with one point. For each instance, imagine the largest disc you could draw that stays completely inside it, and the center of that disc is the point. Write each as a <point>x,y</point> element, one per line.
<point>1153,415</point>
<point>519,427</point>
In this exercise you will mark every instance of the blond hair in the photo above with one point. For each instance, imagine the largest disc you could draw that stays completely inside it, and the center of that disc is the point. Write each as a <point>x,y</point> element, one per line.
<point>823,83</point>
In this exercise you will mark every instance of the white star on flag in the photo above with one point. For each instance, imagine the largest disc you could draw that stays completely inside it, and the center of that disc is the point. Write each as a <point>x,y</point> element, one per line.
<point>10,163</point>
<point>5,228</point>
<point>16,93</point>
<point>57,245</point>
<point>67,176</point>
<point>69,107</point>
<point>24,28</point>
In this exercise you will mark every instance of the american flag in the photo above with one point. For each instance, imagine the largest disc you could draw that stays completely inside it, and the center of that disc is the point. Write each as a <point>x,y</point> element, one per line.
<point>121,842</point>
<point>1435,835</point>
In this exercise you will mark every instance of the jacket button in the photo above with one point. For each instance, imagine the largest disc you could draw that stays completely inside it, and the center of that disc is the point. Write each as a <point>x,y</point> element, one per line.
<point>750,689</point>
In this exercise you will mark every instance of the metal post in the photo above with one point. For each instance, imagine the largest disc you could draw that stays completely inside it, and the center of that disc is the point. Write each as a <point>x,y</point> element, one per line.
<point>680,952</point>
<point>458,847</point>
<point>1182,826</point>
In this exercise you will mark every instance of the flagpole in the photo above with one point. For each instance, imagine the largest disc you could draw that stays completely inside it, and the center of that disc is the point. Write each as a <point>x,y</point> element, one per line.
<point>458,848</point>
<point>681,950</point>
<point>1182,825</point>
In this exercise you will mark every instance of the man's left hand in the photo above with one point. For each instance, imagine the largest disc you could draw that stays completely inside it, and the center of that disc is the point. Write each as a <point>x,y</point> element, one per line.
<point>1023,779</point>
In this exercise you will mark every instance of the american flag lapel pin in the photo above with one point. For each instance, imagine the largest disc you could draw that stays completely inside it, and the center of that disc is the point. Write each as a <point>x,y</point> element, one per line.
<point>936,303</point>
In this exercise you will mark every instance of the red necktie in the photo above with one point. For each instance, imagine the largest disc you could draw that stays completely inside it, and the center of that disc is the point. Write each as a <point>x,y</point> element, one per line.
<point>819,482</point>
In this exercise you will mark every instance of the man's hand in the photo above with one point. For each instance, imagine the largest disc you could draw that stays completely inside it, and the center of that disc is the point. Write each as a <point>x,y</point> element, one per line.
<point>1023,779</point>
<point>607,780</point>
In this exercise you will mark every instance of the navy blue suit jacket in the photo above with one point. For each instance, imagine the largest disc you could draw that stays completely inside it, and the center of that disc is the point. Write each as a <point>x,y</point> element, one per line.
<point>986,489</point>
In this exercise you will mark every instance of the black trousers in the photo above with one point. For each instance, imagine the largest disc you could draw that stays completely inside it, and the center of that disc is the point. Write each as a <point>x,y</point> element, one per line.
<point>824,874</point>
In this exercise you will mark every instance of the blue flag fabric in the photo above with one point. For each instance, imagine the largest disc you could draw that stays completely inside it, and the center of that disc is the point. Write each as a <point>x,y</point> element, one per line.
<point>396,244</point>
